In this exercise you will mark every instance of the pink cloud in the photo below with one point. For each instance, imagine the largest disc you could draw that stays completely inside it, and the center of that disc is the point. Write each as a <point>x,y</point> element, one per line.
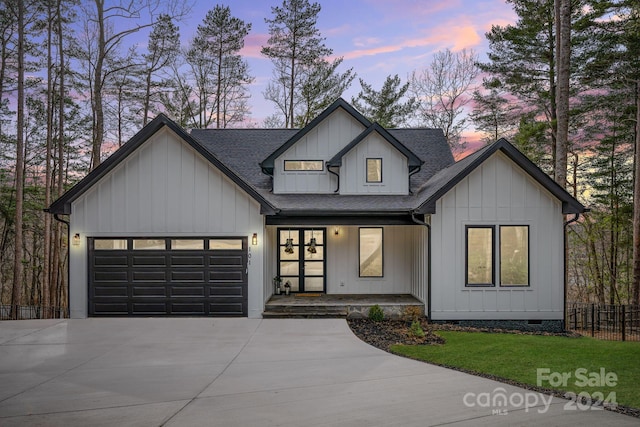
<point>253,45</point>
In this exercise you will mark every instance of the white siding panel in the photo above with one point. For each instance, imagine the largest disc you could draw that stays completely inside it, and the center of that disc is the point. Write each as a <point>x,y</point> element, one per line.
<point>395,170</point>
<point>498,193</point>
<point>165,188</point>
<point>321,143</point>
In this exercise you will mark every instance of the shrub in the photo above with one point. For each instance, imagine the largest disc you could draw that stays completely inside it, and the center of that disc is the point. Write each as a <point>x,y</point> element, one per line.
<point>376,314</point>
<point>416,329</point>
<point>412,313</point>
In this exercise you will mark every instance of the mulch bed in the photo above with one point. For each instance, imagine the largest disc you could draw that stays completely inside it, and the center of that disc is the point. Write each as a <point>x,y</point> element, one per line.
<point>388,332</point>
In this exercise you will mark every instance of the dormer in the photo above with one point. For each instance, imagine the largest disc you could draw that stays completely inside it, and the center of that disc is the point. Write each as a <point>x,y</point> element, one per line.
<point>341,151</point>
<point>375,163</point>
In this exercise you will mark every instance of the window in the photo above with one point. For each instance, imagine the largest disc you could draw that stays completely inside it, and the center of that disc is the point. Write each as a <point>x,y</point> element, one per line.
<point>225,244</point>
<point>303,165</point>
<point>480,243</point>
<point>374,170</point>
<point>110,244</point>
<point>187,244</point>
<point>514,255</point>
<point>371,262</point>
<point>149,244</point>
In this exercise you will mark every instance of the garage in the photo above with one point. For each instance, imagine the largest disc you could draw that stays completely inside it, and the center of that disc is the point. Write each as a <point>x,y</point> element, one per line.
<point>151,276</point>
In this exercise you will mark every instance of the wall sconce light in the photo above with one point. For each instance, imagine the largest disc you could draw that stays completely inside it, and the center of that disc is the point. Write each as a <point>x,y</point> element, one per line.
<point>75,241</point>
<point>254,239</point>
<point>336,231</point>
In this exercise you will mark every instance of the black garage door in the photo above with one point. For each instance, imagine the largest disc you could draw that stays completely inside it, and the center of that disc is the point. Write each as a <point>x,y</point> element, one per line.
<point>168,276</point>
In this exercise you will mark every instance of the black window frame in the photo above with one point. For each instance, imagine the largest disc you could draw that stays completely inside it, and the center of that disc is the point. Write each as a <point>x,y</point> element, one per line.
<point>493,256</point>
<point>528,285</point>
<point>304,170</point>
<point>359,251</point>
<point>367,170</point>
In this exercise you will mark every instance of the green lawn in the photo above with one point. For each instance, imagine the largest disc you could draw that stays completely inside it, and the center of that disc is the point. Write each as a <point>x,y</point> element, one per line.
<point>517,357</point>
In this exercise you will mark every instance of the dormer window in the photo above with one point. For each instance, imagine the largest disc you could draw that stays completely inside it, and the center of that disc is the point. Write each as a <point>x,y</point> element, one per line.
<point>303,165</point>
<point>374,170</point>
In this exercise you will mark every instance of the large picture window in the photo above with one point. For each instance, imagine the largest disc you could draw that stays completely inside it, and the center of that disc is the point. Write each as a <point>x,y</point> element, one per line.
<point>514,255</point>
<point>371,251</point>
<point>374,170</point>
<point>480,244</point>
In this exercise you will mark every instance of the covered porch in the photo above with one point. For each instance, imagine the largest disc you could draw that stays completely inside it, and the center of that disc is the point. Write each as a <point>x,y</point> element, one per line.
<point>313,305</point>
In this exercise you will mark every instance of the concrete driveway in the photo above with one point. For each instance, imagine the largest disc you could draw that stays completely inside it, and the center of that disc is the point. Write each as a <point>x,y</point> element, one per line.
<point>242,372</point>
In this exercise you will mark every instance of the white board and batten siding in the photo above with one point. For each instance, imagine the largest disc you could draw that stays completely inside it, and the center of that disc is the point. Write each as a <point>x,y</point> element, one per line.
<point>353,173</point>
<point>497,193</point>
<point>165,188</point>
<point>320,143</point>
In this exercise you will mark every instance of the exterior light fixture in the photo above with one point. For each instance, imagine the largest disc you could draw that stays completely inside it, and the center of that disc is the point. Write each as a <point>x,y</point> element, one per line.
<point>75,241</point>
<point>336,231</point>
<point>312,244</point>
<point>254,239</point>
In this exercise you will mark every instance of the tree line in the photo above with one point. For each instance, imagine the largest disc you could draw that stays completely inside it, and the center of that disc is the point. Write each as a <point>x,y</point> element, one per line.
<point>562,83</point>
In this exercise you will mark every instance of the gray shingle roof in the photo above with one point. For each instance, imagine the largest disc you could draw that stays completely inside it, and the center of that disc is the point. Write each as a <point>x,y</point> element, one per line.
<point>242,150</point>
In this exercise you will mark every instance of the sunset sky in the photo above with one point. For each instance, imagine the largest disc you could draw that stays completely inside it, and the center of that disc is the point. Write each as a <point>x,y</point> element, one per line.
<point>376,37</point>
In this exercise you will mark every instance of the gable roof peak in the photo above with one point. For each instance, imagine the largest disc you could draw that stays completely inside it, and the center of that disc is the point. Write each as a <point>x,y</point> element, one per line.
<point>267,164</point>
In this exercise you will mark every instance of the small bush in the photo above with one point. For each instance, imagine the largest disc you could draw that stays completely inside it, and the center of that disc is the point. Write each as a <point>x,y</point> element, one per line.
<point>376,314</point>
<point>416,329</point>
<point>412,313</point>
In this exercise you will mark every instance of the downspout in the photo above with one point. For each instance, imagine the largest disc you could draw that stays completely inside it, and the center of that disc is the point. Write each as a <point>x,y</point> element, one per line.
<point>57,218</point>
<point>566,271</point>
<point>420,222</point>
<point>413,172</point>
<point>337,176</point>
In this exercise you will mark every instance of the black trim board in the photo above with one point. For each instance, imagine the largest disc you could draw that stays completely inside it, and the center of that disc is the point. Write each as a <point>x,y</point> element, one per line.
<point>267,164</point>
<point>63,204</point>
<point>359,219</point>
<point>470,163</point>
<point>413,161</point>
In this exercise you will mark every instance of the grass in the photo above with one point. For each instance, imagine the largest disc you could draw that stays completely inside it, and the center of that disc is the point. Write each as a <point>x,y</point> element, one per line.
<point>517,357</point>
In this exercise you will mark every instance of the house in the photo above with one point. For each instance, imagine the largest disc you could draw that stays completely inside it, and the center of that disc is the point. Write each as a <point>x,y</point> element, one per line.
<point>177,223</point>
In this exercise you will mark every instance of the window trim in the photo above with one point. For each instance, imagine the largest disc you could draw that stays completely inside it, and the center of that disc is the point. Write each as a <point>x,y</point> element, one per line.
<point>466,257</point>
<point>360,249</point>
<point>321,169</point>
<point>366,163</point>
<point>528,285</point>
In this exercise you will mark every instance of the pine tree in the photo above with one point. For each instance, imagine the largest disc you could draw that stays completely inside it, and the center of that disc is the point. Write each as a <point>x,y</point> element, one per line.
<point>385,106</point>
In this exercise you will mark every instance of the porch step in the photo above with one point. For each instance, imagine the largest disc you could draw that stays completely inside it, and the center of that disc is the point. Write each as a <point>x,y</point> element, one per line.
<point>305,312</point>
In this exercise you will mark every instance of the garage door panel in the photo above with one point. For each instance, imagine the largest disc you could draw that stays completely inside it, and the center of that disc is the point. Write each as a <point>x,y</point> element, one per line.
<point>149,276</point>
<point>187,276</point>
<point>149,260</point>
<point>193,308</point>
<point>225,291</point>
<point>187,261</point>
<point>187,291</point>
<point>114,276</point>
<point>233,309</point>
<point>111,260</point>
<point>226,260</point>
<point>149,291</point>
<point>113,307</point>
<point>159,308</point>
<point>165,282</point>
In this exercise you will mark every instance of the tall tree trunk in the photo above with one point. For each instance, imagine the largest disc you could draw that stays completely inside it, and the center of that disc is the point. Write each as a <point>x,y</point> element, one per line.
<point>59,160</point>
<point>563,43</point>
<point>16,294</point>
<point>636,204</point>
<point>98,110</point>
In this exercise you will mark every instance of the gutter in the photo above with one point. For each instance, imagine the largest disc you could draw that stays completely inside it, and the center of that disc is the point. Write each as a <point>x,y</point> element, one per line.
<point>566,271</point>
<point>411,173</point>
<point>337,190</point>
<point>420,222</point>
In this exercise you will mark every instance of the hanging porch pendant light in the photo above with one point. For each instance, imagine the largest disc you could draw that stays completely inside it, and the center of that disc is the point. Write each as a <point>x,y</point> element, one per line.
<point>312,244</point>
<point>288,246</point>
